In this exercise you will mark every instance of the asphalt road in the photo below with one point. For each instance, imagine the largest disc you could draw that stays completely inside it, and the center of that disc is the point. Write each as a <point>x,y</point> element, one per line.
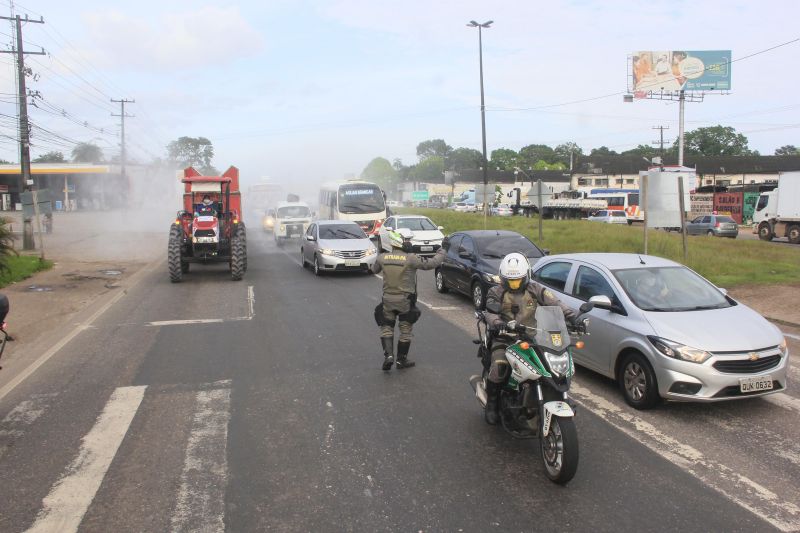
<point>259,405</point>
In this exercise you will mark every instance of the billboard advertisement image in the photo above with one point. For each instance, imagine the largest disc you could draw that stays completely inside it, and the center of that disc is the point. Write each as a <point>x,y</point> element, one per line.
<point>688,70</point>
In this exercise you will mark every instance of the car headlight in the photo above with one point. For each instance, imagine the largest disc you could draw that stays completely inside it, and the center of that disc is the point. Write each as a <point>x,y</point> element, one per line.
<point>327,251</point>
<point>784,348</point>
<point>559,364</point>
<point>494,278</point>
<point>679,351</point>
<point>372,251</point>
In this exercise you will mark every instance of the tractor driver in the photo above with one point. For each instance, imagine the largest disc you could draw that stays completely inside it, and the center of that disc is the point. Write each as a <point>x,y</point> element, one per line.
<point>206,208</point>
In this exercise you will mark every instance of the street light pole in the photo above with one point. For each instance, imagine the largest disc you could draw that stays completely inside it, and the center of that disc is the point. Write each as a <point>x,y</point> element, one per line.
<point>473,24</point>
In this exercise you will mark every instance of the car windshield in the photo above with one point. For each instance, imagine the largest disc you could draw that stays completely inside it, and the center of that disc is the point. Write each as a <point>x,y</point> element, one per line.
<point>501,246</point>
<point>671,289</point>
<point>293,211</point>
<point>341,231</point>
<point>617,213</point>
<point>415,224</point>
<point>360,198</point>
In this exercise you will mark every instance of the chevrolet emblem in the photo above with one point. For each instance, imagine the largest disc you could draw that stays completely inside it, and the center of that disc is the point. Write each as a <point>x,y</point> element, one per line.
<point>754,356</point>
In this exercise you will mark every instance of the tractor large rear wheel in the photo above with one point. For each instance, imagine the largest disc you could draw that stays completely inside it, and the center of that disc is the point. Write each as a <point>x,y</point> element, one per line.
<point>243,233</point>
<point>238,255</point>
<point>174,253</point>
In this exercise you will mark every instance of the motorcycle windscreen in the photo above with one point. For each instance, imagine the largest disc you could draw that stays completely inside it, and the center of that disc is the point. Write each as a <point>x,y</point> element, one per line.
<point>551,327</point>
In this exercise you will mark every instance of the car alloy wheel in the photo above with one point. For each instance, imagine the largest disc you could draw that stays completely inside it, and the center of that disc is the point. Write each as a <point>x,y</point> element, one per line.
<point>477,295</point>
<point>635,381</point>
<point>440,284</point>
<point>638,382</point>
<point>317,269</point>
<point>710,233</point>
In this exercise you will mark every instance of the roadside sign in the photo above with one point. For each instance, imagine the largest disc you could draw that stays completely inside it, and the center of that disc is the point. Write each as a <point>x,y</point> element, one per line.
<point>481,194</point>
<point>533,195</point>
<point>419,196</point>
<point>43,199</point>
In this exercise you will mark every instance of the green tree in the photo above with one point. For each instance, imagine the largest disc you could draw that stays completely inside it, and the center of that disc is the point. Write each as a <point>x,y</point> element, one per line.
<point>87,153</point>
<point>544,165</point>
<point>563,151</point>
<point>788,149</point>
<point>642,151</point>
<point>504,159</point>
<point>380,171</point>
<point>714,141</point>
<point>463,159</point>
<point>429,169</point>
<point>433,148</point>
<point>603,150</point>
<point>533,153</point>
<point>193,151</point>
<point>50,157</point>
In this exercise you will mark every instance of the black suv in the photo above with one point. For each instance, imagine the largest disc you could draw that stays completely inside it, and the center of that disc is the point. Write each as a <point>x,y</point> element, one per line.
<point>473,260</point>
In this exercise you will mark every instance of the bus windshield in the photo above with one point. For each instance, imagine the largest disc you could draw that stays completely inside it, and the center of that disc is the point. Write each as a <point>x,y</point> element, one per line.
<point>360,198</point>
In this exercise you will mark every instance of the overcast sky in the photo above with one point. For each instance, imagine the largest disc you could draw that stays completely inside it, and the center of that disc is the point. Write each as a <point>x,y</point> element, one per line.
<point>302,90</point>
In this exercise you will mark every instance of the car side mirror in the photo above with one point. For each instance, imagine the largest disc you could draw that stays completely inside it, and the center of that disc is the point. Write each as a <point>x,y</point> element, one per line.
<point>546,251</point>
<point>587,306</point>
<point>602,301</point>
<point>388,228</point>
<point>440,228</point>
<point>310,238</point>
<point>464,254</point>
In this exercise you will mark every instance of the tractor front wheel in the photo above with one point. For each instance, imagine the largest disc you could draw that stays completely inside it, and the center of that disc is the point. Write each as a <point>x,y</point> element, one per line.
<point>238,255</point>
<point>174,253</point>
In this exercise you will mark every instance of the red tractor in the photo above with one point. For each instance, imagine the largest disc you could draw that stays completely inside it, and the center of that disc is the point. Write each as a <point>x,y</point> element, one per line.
<point>209,228</point>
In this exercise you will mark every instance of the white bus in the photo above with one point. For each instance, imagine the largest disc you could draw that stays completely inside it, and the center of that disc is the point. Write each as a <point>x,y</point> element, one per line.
<point>620,200</point>
<point>360,201</point>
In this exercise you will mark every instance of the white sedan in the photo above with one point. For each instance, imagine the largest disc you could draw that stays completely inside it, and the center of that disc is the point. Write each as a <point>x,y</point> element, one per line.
<point>609,216</point>
<point>427,235</point>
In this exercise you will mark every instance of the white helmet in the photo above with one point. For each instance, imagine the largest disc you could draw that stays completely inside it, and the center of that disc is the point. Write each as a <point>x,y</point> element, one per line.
<point>514,270</point>
<point>399,235</point>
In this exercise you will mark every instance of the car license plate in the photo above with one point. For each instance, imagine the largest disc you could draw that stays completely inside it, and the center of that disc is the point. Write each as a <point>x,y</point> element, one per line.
<point>206,239</point>
<point>352,262</point>
<point>755,384</point>
<point>426,248</point>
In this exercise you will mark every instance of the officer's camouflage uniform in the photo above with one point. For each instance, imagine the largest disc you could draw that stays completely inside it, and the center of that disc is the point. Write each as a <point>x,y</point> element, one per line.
<point>400,288</point>
<point>500,303</point>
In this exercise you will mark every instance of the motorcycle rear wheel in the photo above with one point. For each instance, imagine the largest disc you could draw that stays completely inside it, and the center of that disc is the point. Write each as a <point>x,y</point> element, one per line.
<point>560,450</point>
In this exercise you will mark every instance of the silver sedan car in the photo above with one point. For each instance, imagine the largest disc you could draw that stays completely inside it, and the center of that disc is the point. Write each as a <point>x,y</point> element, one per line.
<point>337,246</point>
<point>663,331</point>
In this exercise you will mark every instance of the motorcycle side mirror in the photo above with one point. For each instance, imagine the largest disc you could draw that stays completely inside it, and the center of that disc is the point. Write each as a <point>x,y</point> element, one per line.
<point>602,301</point>
<point>586,307</point>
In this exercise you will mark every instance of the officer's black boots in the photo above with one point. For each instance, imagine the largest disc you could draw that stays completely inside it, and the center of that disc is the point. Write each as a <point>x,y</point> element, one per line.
<point>491,414</point>
<point>402,355</point>
<point>388,352</point>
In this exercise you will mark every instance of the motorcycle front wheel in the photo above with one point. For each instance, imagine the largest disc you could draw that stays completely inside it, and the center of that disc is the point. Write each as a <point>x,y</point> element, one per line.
<point>560,450</point>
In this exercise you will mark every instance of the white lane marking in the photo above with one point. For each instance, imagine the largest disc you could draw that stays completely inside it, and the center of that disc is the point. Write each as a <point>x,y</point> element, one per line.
<point>784,400</point>
<point>791,335</point>
<point>33,367</point>
<point>767,439</point>
<point>740,489</point>
<point>251,302</point>
<point>445,308</point>
<point>184,322</point>
<point>63,508</point>
<point>201,498</point>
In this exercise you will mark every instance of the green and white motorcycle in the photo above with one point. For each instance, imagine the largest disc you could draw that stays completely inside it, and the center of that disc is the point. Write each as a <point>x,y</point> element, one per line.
<point>534,402</point>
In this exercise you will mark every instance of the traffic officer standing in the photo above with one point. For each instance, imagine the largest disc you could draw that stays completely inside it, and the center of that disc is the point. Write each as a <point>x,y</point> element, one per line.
<point>399,269</point>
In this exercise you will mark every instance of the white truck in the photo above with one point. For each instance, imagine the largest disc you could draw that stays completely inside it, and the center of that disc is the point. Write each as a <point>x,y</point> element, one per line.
<point>778,211</point>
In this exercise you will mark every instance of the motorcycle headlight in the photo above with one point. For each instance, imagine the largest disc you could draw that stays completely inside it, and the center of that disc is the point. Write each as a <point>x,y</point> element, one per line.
<point>372,251</point>
<point>679,351</point>
<point>559,364</point>
<point>494,278</point>
<point>327,251</point>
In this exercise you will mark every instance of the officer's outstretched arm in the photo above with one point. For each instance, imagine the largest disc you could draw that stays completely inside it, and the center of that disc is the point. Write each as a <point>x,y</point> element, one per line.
<point>546,297</point>
<point>422,263</point>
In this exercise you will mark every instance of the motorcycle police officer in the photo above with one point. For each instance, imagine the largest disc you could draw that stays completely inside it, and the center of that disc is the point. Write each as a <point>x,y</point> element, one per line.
<point>516,298</point>
<point>399,269</point>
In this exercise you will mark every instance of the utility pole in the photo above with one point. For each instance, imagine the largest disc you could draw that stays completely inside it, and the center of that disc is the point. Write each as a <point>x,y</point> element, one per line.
<point>661,141</point>
<point>24,127</point>
<point>122,116</point>
<point>485,25</point>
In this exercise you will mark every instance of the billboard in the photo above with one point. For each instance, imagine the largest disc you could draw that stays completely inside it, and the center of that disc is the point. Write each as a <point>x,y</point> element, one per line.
<point>688,70</point>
